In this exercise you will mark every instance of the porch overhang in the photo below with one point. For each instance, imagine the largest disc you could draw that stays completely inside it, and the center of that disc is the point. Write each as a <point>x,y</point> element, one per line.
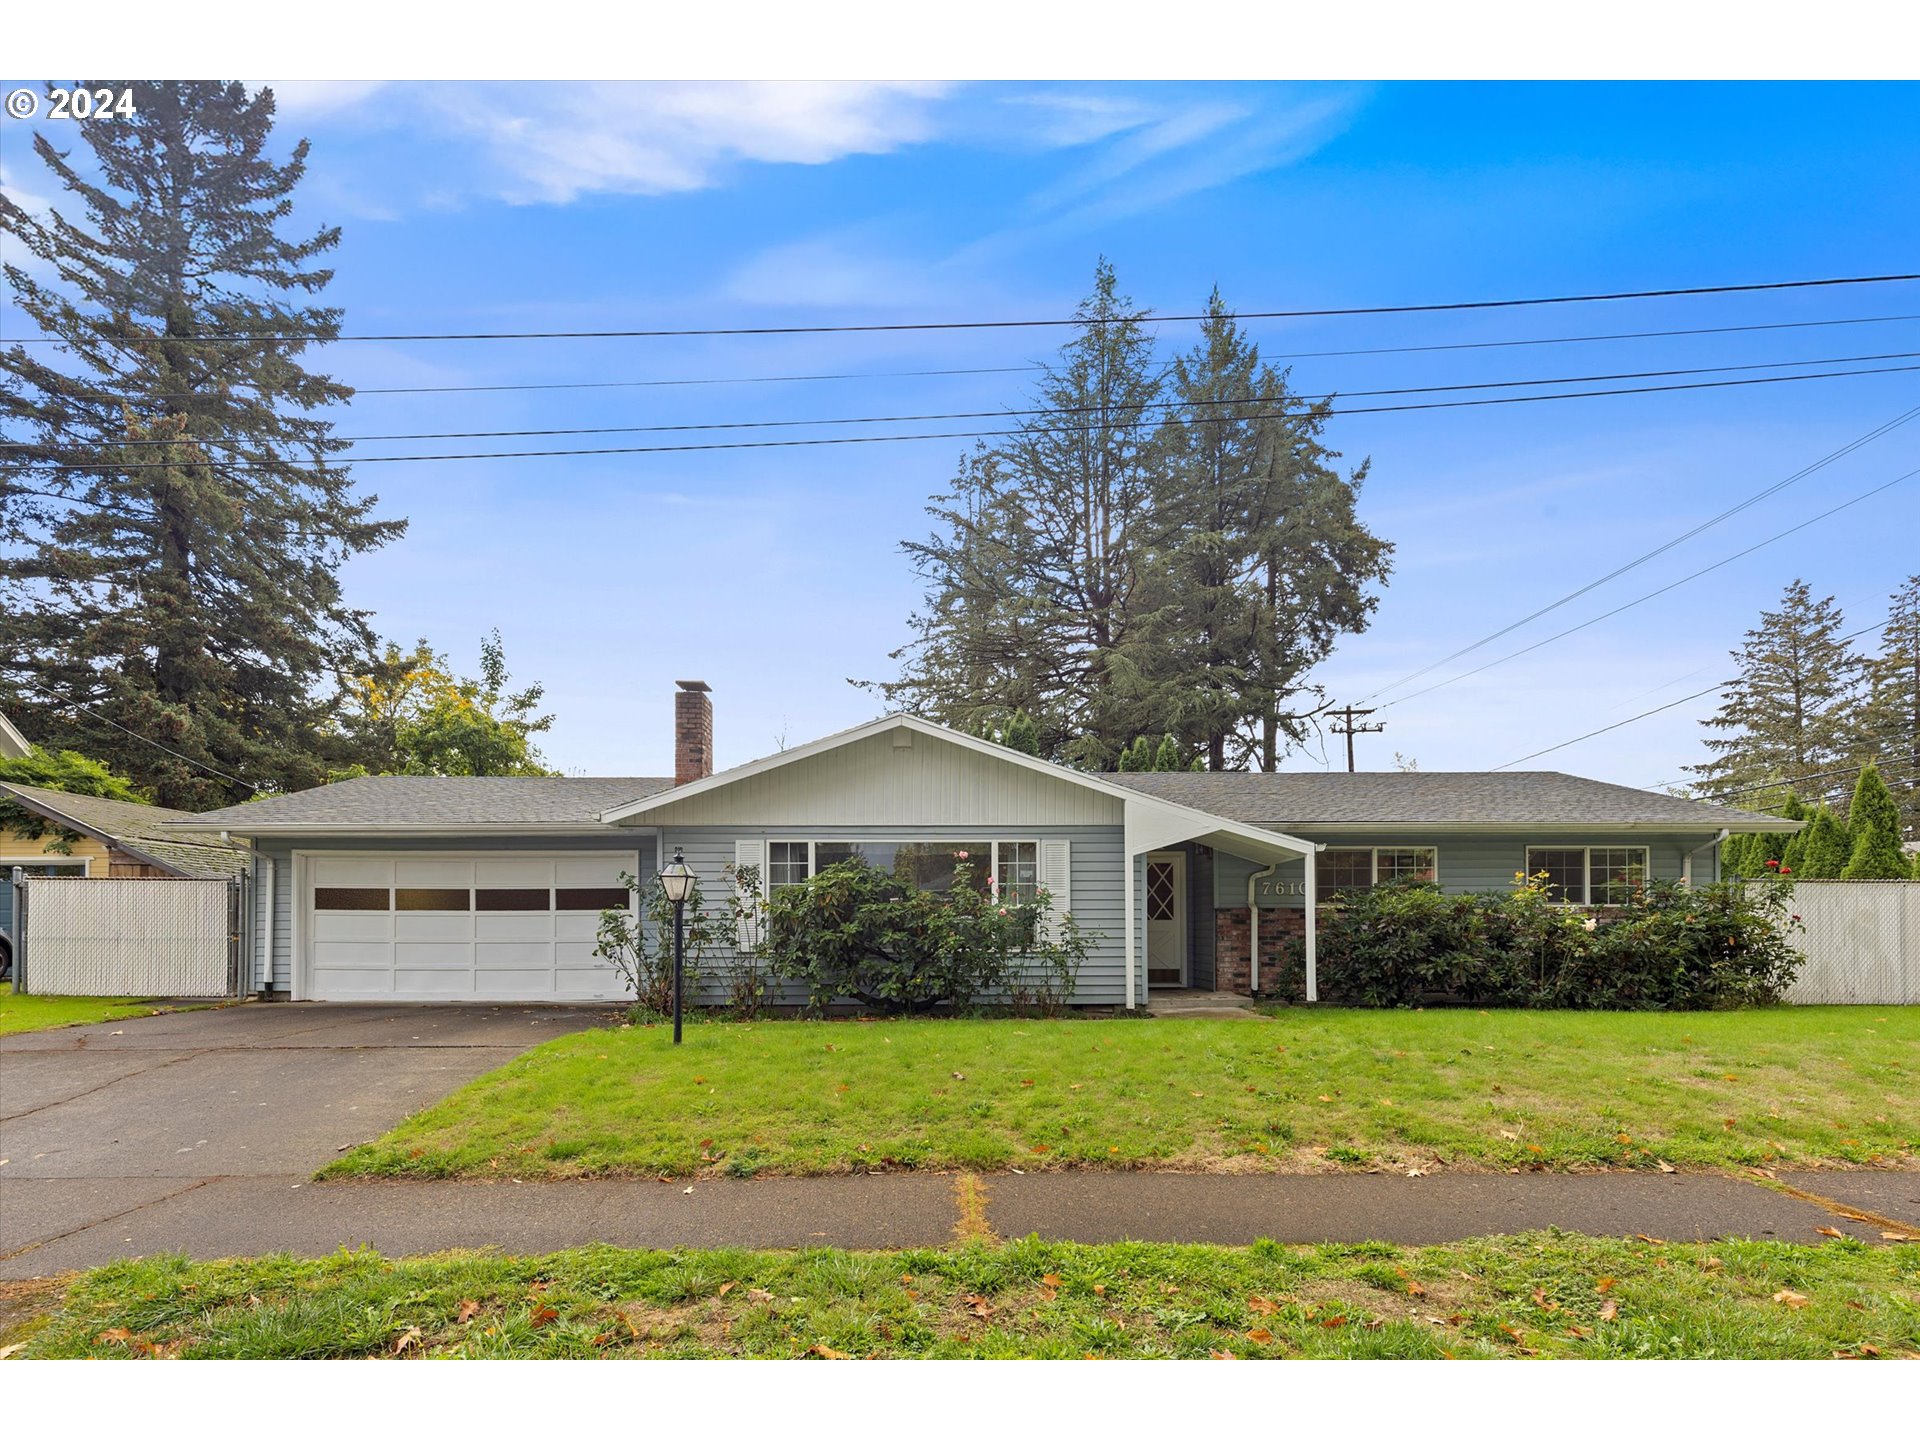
<point>1157,824</point>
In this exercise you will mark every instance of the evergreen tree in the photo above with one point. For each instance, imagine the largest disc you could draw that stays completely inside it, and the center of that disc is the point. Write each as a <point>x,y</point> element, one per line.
<point>172,523</point>
<point>1167,756</point>
<point>1021,734</point>
<point>1890,726</point>
<point>1826,847</point>
<point>1033,568</point>
<point>1790,712</point>
<point>1875,822</point>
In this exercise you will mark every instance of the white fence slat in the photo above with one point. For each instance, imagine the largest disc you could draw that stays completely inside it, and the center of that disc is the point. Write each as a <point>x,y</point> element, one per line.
<point>128,937</point>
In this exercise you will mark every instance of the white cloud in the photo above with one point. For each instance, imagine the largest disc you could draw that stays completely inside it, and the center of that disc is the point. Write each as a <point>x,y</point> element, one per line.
<point>301,99</point>
<point>554,143</point>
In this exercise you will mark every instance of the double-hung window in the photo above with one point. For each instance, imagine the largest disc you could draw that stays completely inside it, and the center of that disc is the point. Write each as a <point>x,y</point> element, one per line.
<point>1589,875</point>
<point>788,862</point>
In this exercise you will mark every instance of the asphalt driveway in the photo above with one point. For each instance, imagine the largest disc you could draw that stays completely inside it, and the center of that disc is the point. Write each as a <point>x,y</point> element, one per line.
<point>97,1121</point>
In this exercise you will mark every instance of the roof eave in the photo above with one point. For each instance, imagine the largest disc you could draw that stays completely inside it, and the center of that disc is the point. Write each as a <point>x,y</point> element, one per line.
<point>1746,826</point>
<point>490,827</point>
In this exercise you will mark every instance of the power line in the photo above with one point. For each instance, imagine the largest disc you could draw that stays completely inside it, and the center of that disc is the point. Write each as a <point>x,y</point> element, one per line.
<point>914,419</point>
<point>1654,594</point>
<point>1711,689</point>
<point>236,337</point>
<point>197,764</point>
<point>1655,553</point>
<point>359,391</point>
<point>992,434</point>
<point>1883,761</point>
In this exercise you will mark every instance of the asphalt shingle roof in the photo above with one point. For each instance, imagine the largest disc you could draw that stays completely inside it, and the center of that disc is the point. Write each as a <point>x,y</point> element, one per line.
<point>1436,797</point>
<point>437,800</point>
<point>139,827</point>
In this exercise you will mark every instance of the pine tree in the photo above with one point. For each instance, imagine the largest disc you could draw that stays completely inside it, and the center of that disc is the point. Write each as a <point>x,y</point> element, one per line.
<point>172,525</point>
<point>1875,822</point>
<point>1826,847</point>
<point>1890,725</point>
<point>1791,711</point>
<point>1033,567</point>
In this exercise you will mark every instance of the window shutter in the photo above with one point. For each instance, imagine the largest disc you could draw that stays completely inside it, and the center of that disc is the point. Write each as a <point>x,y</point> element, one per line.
<point>1056,878</point>
<point>750,853</point>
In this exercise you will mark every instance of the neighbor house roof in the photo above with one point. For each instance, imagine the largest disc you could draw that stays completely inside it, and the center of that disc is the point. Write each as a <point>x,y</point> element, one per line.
<point>13,745</point>
<point>1526,799</point>
<point>433,802</point>
<point>140,830</point>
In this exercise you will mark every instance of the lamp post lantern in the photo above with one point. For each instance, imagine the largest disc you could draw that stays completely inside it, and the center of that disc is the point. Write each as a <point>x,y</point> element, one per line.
<point>676,881</point>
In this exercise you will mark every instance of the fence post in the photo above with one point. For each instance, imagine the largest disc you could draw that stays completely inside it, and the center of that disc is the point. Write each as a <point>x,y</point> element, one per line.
<point>19,881</point>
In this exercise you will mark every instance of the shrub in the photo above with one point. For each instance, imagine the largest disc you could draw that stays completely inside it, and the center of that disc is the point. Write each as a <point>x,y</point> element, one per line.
<point>854,932</point>
<point>1671,947</point>
<point>1875,821</point>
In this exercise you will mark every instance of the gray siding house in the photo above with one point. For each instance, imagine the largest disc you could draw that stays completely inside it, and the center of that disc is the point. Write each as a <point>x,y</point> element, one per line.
<point>432,888</point>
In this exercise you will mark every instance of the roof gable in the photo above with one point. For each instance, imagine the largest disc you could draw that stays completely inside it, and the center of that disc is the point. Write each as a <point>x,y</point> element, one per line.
<point>145,831</point>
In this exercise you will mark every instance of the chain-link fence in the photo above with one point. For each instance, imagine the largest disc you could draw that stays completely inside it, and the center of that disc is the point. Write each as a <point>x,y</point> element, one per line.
<point>76,936</point>
<point>1862,942</point>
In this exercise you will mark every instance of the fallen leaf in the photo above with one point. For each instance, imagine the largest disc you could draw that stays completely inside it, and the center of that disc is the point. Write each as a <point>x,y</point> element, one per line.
<point>1665,1169</point>
<point>468,1309</point>
<point>1326,1099</point>
<point>1650,1239</point>
<point>7,1352</point>
<point>408,1339</point>
<point>1793,1299</point>
<point>1576,1332</point>
<point>1540,1299</point>
<point>1610,1310</point>
<point>1897,1237</point>
<point>1041,1149</point>
<point>1334,1322</point>
<point>1829,1230</point>
<point>1099,1289</point>
<point>1712,1262</point>
<point>978,1306</point>
<point>1261,1336</point>
<point>1211,1355</point>
<point>1605,1283</point>
<point>760,1297</point>
<point>1508,1135</point>
<point>827,1352</point>
<point>1414,1287</point>
<point>1052,1282</point>
<point>1260,1305</point>
<point>543,1315</point>
<point>726,1287</point>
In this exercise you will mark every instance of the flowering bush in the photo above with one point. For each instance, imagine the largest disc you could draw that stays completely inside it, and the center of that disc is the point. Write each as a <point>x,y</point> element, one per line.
<point>1669,947</point>
<point>854,932</point>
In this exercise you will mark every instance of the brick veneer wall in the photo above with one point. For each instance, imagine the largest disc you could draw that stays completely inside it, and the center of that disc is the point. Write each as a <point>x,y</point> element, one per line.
<point>1280,970</point>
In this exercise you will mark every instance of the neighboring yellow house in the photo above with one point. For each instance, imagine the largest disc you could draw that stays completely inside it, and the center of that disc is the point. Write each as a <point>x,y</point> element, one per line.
<point>102,839</point>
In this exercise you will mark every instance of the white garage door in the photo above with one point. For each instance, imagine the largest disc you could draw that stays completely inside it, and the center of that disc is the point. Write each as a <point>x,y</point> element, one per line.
<point>469,927</point>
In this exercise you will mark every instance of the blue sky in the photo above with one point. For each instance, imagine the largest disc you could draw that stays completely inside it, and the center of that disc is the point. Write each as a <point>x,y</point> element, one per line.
<point>775,575</point>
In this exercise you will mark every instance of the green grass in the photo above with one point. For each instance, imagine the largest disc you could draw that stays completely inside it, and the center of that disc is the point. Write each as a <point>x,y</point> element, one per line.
<point>1549,1295</point>
<point>20,1013</point>
<point>1309,1090</point>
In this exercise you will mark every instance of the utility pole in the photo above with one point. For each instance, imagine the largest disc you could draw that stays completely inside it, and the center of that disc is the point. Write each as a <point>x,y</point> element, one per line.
<point>1350,729</point>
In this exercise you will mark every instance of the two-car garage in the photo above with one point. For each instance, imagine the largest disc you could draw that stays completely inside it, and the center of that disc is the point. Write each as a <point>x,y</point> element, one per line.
<point>474,926</point>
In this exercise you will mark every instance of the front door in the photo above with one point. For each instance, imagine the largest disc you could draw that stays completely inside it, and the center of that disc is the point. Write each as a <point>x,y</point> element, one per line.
<point>1167,918</point>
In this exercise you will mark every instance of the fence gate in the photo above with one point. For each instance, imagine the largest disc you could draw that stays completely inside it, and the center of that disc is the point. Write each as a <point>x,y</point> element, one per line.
<point>172,937</point>
<point>1862,942</point>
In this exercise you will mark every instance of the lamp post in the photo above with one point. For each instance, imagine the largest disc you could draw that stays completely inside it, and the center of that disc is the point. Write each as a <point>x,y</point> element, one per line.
<point>676,880</point>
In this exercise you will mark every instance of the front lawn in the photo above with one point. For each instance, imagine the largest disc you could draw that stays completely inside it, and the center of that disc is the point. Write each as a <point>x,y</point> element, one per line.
<point>1312,1089</point>
<point>1550,1295</point>
<point>47,1012</point>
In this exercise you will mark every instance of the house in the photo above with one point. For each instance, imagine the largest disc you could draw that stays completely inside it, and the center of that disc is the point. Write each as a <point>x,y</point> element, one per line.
<point>401,887</point>
<point>100,839</point>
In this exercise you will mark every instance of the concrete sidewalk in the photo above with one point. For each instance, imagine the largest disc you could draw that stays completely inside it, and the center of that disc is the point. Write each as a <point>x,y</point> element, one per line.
<point>52,1225</point>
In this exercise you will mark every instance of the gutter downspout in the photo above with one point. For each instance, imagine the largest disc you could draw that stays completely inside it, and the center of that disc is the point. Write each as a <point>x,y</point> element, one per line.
<point>265,982</point>
<point>1686,860</point>
<point>1253,925</point>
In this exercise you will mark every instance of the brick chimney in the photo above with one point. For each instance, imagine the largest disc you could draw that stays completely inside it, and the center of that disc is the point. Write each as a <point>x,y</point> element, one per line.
<point>692,731</point>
